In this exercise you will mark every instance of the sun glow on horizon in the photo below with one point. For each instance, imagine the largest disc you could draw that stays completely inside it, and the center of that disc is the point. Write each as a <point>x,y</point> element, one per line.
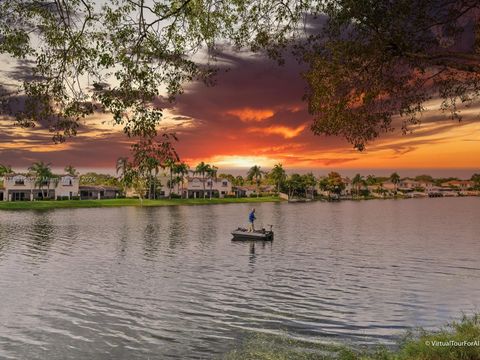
<point>236,161</point>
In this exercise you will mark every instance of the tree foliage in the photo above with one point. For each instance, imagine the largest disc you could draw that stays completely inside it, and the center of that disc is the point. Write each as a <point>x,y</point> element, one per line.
<point>377,59</point>
<point>366,60</point>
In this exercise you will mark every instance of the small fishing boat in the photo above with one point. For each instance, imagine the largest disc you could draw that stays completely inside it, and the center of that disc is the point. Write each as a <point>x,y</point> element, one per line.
<point>244,234</point>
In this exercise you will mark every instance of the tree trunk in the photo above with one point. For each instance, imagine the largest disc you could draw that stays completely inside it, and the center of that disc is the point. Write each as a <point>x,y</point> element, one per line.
<point>203,178</point>
<point>170,185</point>
<point>155,187</point>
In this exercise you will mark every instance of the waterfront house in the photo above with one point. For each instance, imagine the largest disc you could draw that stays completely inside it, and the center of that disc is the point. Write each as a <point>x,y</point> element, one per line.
<point>245,190</point>
<point>409,185</point>
<point>67,187</point>
<point>192,186</point>
<point>458,184</point>
<point>251,190</point>
<point>90,192</point>
<point>19,187</point>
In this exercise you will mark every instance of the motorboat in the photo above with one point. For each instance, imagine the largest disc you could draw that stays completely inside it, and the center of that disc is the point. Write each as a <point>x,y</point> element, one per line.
<point>244,234</point>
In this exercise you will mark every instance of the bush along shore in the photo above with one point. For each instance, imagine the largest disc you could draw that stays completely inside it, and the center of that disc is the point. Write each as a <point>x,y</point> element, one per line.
<point>59,204</point>
<point>456,341</point>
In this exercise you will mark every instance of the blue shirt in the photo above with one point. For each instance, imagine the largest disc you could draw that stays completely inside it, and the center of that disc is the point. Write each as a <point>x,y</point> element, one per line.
<point>251,217</point>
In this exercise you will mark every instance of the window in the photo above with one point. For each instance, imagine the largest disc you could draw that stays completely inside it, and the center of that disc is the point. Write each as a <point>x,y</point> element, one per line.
<point>224,183</point>
<point>67,181</point>
<point>19,180</point>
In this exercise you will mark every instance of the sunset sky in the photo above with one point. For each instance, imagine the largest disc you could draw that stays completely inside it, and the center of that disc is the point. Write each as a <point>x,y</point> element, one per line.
<point>255,115</point>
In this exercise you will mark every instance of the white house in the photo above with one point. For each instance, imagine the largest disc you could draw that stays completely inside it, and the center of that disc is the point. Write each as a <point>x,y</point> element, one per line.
<point>192,186</point>
<point>18,187</point>
<point>408,184</point>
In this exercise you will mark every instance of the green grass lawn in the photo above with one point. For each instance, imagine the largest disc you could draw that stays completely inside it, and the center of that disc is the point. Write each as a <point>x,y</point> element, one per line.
<point>59,204</point>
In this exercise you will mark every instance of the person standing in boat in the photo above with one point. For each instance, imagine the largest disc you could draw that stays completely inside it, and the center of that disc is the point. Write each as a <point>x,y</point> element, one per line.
<point>251,220</point>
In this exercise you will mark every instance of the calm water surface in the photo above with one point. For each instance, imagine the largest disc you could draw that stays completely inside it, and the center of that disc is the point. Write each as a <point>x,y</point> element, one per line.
<point>166,283</point>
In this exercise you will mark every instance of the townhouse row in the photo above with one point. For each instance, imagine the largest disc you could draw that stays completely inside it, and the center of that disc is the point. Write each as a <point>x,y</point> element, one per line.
<point>22,187</point>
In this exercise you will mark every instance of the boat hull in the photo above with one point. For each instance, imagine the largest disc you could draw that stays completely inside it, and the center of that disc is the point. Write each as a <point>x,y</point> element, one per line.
<point>239,235</point>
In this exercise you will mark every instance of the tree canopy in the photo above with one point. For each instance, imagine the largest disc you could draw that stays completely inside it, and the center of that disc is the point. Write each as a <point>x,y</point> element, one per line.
<point>366,60</point>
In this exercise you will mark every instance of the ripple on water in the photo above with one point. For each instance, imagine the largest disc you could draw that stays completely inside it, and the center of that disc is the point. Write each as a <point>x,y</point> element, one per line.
<point>160,283</point>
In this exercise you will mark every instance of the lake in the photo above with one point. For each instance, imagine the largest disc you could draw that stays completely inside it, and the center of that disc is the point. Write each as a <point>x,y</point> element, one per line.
<point>168,283</point>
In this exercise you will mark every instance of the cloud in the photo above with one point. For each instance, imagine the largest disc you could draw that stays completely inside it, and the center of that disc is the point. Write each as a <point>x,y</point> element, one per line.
<point>250,114</point>
<point>253,115</point>
<point>285,131</point>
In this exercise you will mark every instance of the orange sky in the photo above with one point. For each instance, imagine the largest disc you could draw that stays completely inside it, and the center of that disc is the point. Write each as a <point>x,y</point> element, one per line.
<point>255,115</point>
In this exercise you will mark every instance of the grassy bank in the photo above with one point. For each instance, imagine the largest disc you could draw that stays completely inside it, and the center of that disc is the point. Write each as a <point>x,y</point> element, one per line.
<point>60,204</point>
<point>444,344</point>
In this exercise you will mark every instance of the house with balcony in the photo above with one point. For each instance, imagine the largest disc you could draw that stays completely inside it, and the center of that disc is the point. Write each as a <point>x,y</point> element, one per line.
<point>215,187</point>
<point>25,187</point>
<point>192,186</point>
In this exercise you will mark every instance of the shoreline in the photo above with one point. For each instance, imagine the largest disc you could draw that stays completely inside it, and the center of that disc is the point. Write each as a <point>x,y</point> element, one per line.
<point>77,204</point>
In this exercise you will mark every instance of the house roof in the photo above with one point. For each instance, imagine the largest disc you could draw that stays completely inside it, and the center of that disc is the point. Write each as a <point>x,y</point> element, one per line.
<point>13,174</point>
<point>254,187</point>
<point>98,187</point>
<point>246,187</point>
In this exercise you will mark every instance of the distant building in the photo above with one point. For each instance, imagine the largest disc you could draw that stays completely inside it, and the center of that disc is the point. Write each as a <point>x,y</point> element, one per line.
<point>459,184</point>
<point>408,185</point>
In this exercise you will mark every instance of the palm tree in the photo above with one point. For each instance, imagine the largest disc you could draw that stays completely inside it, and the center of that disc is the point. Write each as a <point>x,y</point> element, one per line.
<point>43,175</point>
<point>239,181</point>
<point>356,182</point>
<point>171,165</point>
<point>121,166</point>
<point>371,180</point>
<point>181,169</point>
<point>278,175</point>
<point>202,169</point>
<point>149,167</point>
<point>70,170</point>
<point>256,173</point>
<point>212,173</point>
<point>395,179</point>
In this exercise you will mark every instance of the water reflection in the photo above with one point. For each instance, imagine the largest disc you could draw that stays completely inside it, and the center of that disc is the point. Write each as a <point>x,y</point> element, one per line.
<point>169,283</point>
<point>178,230</point>
<point>41,235</point>
<point>4,238</point>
